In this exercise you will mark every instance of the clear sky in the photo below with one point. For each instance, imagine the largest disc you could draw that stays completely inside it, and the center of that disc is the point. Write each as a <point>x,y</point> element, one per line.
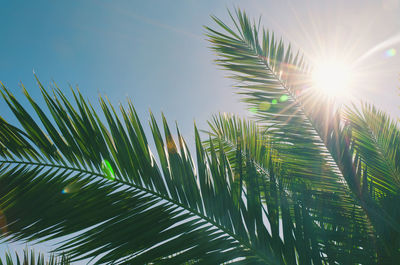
<point>155,52</point>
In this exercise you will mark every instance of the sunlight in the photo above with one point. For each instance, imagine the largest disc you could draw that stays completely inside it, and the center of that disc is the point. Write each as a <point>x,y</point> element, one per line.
<point>332,77</point>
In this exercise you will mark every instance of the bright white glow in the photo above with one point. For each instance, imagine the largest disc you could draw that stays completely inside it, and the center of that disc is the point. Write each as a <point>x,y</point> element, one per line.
<point>332,77</point>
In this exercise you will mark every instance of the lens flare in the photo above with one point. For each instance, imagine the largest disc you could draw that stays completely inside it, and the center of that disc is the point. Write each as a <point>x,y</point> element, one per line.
<point>391,52</point>
<point>283,98</point>
<point>107,169</point>
<point>379,47</point>
<point>264,106</point>
<point>71,188</point>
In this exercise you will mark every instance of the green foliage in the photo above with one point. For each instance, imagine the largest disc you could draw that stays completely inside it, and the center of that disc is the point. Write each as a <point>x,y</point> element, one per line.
<point>142,216</point>
<point>318,147</point>
<point>30,259</point>
<point>302,183</point>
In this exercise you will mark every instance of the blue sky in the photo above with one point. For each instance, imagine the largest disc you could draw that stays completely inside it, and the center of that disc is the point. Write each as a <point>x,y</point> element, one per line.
<point>155,52</point>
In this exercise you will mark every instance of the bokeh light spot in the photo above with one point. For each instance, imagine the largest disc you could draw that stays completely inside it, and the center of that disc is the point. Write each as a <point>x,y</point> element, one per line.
<point>107,169</point>
<point>71,188</point>
<point>274,101</point>
<point>283,98</point>
<point>264,106</point>
<point>391,52</point>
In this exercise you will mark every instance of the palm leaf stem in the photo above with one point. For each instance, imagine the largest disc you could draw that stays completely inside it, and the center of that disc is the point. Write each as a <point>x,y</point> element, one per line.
<point>161,196</point>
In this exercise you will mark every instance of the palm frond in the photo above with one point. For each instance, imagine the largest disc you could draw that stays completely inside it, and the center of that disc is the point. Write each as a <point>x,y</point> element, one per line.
<point>376,140</point>
<point>29,258</point>
<point>284,197</point>
<point>276,86</point>
<point>375,146</point>
<point>162,214</point>
<point>303,125</point>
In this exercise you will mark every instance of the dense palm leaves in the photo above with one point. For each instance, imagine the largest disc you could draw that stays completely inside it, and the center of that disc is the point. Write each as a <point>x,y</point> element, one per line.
<point>315,147</point>
<point>324,228</point>
<point>300,185</point>
<point>143,216</point>
<point>376,148</point>
<point>29,258</point>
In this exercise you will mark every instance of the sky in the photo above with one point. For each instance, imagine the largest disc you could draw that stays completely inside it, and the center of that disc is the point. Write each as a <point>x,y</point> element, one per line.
<point>155,52</point>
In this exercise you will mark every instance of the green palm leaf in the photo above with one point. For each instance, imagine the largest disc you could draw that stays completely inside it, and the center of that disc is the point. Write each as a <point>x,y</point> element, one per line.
<point>284,198</point>
<point>29,258</point>
<point>149,214</point>
<point>375,138</point>
<point>303,125</point>
<point>299,186</point>
<point>375,145</point>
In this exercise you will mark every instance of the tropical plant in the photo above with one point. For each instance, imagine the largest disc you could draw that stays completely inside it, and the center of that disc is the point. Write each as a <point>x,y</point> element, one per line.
<point>30,259</point>
<point>304,182</point>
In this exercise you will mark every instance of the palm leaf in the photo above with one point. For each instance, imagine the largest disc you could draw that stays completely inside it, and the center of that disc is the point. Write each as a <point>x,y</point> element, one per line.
<point>149,214</point>
<point>289,201</point>
<point>303,125</point>
<point>375,139</point>
<point>375,146</point>
<point>29,258</point>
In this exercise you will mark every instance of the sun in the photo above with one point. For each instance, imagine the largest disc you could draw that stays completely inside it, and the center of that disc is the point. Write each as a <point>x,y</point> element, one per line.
<point>332,77</point>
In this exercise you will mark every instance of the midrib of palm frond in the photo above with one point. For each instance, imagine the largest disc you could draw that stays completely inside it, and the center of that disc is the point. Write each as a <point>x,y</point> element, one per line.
<point>245,156</point>
<point>85,166</point>
<point>244,57</point>
<point>149,191</point>
<point>233,131</point>
<point>283,84</point>
<point>375,140</point>
<point>381,151</point>
<point>278,53</point>
<point>388,129</point>
<point>230,132</point>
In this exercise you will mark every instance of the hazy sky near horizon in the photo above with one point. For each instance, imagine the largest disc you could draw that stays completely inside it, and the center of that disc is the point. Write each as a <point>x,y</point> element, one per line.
<point>155,52</point>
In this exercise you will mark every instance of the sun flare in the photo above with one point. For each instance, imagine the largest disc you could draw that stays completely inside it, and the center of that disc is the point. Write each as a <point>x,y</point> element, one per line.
<point>332,77</point>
